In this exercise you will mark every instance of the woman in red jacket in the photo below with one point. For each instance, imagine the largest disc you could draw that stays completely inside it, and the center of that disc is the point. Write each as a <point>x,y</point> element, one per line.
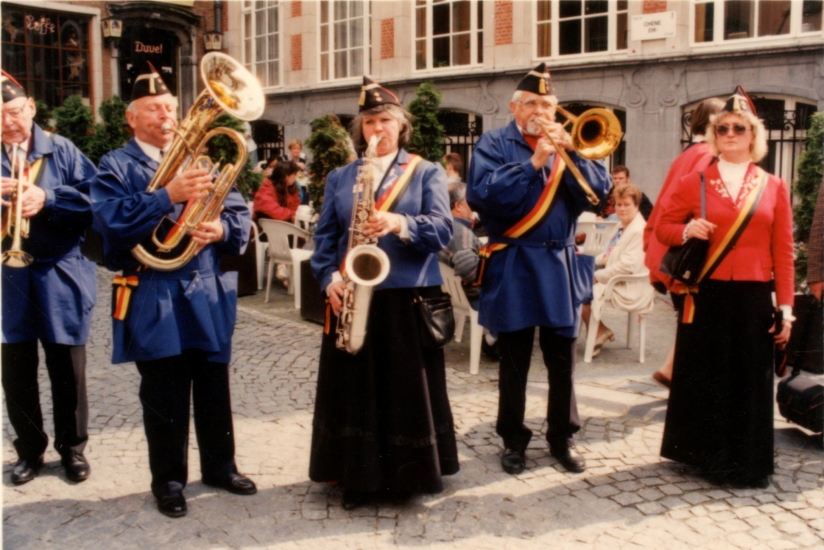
<point>720,414</point>
<point>278,197</point>
<point>695,158</point>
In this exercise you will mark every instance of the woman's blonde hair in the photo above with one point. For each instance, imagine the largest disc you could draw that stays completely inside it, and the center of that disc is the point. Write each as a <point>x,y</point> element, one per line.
<point>297,142</point>
<point>628,190</point>
<point>758,149</point>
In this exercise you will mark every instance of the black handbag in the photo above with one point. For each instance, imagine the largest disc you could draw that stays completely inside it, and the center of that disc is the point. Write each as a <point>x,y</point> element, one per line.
<point>801,401</point>
<point>436,319</point>
<point>684,263</point>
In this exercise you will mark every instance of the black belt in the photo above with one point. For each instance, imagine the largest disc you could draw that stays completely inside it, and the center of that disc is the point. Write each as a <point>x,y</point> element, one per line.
<point>554,245</point>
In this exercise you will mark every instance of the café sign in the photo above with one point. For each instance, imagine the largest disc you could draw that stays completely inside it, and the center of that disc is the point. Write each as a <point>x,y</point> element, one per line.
<point>140,47</point>
<point>43,25</point>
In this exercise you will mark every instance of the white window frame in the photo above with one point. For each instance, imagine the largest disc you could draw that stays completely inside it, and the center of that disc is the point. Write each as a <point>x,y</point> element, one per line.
<point>718,26</point>
<point>366,17</point>
<point>251,7</point>
<point>612,30</point>
<point>472,32</point>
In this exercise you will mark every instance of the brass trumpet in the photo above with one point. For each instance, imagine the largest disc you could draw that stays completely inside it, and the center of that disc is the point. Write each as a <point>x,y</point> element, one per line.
<point>13,218</point>
<point>595,134</point>
<point>230,88</point>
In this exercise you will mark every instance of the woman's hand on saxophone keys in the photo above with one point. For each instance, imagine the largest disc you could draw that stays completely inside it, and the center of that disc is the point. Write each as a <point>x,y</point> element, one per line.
<point>380,224</point>
<point>192,183</point>
<point>335,294</point>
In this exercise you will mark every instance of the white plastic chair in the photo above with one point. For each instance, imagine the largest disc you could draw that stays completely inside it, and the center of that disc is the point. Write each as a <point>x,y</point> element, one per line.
<point>598,234</point>
<point>280,251</point>
<point>260,255</point>
<point>303,216</point>
<point>460,305</point>
<point>632,316</point>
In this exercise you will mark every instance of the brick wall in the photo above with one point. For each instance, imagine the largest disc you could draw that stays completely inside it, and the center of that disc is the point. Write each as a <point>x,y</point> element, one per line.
<point>297,8</point>
<point>387,38</point>
<point>297,52</point>
<point>655,6</point>
<point>503,22</point>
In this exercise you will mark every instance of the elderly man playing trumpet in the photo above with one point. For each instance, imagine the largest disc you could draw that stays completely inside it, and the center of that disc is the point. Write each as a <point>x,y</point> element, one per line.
<point>176,324</point>
<point>530,201</point>
<point>49,288</point>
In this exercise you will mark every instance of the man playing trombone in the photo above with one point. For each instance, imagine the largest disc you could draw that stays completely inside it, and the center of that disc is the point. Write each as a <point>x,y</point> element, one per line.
<point>530,199</point>
<point>49,288</point>
<point>175,323</point>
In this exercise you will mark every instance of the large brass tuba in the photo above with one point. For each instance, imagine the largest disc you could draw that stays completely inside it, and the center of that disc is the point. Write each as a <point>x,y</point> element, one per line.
<point>595,134</point>
<point>13,222</point>
<point>366,265</point>
<point>230,88</point>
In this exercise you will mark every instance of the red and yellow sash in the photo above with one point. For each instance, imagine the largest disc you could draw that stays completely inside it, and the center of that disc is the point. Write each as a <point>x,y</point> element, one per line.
<point>717,256</point>
<point>122,289</point>
<point>534,218</point>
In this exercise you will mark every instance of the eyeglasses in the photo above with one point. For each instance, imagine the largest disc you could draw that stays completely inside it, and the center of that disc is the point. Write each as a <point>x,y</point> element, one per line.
<point>13,114</point>
<point>724,129</point>
<point>533,104</point>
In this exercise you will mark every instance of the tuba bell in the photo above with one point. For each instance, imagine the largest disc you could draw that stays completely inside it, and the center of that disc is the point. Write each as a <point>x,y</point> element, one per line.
<point>595,134</point>
<point>232,89</point>
<point>14,223</point>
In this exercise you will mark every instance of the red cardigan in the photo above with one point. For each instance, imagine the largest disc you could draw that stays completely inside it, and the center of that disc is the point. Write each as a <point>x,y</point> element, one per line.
<point>694,159</point>
<point>266,203</point>
<point>763,251</point>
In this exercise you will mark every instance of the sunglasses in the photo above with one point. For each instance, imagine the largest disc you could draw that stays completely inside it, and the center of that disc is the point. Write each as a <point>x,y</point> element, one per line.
<point>724,129</point>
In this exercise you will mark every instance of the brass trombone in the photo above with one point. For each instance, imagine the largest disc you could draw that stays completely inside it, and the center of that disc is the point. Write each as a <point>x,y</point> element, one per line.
<point>230,88</point>
<point>595,134</point>
<point>13,218</point>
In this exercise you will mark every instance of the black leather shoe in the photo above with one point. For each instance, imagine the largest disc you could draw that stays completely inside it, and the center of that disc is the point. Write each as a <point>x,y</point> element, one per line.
<point>513,461</point>
<point>24,470</point>
<point>569,459</point>
<point>173,505</point>
<point>77,467</point>
<point>238,484</point>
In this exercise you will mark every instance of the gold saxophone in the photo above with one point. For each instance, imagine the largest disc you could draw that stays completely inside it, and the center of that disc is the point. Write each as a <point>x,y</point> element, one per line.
<point>13,218</point>
<point>366,265</point>
<point>230,88</point>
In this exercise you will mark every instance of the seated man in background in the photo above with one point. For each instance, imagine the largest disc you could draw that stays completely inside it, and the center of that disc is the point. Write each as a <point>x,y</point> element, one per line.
<point>620,176</point>
<point>462,256</point>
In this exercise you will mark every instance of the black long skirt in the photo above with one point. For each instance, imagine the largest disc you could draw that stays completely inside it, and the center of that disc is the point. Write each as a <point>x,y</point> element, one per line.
<point>720,413</point>
<point>382,417</point>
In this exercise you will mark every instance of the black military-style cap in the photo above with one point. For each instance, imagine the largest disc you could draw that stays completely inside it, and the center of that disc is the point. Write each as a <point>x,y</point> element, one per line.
<point>373,94</point>
<point>149,83</point>
<point>11,88</point>
<point>537,81</point>
<point>740,102</point>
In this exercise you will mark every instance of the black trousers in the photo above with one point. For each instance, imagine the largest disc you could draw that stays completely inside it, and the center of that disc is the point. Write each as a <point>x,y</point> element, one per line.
<point>165,389</point>
<point>66,366</point>
<point>562,409</point>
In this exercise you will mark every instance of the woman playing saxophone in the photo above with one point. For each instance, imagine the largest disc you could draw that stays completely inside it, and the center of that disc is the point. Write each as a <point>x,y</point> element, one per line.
<point>383,424</point>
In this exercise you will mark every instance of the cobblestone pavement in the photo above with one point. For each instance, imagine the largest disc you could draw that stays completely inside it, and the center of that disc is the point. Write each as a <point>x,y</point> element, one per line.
<point>628,498</point>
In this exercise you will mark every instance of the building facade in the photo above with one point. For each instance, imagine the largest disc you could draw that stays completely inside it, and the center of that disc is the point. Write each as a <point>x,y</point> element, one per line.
<point>650,62</point>
<point>57,49</point>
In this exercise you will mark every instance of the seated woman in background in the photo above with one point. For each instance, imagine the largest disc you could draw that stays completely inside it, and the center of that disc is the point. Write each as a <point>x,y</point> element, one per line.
<point>278,197</point>
<point>624,256</point>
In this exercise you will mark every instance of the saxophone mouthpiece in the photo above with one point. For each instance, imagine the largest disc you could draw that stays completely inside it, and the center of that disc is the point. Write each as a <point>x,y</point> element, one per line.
<point>166,128</point>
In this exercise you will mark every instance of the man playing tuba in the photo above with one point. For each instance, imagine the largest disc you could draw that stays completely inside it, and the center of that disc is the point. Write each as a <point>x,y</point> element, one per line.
<point>51,299</point>
<point>529,201</point>
<point>175,324</point>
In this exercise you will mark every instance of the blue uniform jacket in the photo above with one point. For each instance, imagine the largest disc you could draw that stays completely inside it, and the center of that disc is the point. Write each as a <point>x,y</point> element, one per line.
<point>52,299</point>
<point>425,204</point>
<point>193,307</point>
<point>532,281</point>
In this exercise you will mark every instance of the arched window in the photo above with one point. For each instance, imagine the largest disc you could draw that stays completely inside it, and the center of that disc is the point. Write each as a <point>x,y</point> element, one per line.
<point>269,139</point>
<point>463,129</point>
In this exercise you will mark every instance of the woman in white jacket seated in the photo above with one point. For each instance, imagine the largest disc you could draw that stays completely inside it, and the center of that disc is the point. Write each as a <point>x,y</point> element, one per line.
<point>624,256</point>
